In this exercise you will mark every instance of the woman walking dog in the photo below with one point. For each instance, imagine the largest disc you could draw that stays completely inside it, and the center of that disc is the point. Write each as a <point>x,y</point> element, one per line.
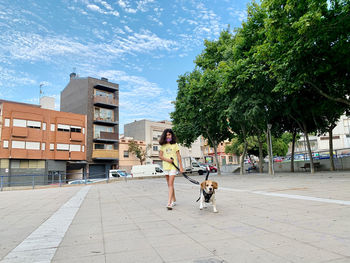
<point>169,153</point>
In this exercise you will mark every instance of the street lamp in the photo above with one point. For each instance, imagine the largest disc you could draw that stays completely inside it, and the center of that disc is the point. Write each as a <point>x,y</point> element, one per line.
<point>269,126</point>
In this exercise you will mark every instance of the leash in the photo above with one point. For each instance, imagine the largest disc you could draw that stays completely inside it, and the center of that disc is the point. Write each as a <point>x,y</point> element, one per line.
<point>184,175</point>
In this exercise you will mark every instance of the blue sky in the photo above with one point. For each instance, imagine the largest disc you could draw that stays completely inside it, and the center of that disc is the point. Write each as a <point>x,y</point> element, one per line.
<point>141,45</point>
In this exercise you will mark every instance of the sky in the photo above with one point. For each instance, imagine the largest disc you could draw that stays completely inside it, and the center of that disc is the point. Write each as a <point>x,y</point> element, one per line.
<point>143,45</point>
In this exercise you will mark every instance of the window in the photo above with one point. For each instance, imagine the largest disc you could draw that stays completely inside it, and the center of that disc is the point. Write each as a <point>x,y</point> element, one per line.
<point>103,93</point>
<point>126,154</point>
<point>43,146</point>
<point>100,128</point>
<point>7,122</point>
<point>34,124</point>
<point>24,164</point>
<point>52,147</point>
<point>52,127</point>
<point>5,144</point>
<point>158,170</point>
<point>44,126</point>
<point>74,148</point>
<point>230,159</point>
<point>15,163</point>
<point>155,148</point>
<point>18,144</point>
<point>62,127</point>
<point>102,146</point>
<point>19,123</point>
<point>103,114</point>
<point>33,145</point>
<point>75,129</point>
<point>83,148</point>
<point>62,147</point>
<point>99,146</point>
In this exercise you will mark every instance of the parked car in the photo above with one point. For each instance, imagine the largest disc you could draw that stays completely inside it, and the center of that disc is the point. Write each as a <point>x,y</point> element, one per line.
<point>118,173</point>
<point>147,170</point>
<point>81,181</point>
<point>212,168</point>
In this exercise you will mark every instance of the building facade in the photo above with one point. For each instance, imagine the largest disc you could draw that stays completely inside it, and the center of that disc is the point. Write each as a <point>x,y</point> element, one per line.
<point>37,141</point>
<point>320,144</point>
<point>151,131</point>
<point>98,99</point>
<point>126,159</point>
<point>223,158</point>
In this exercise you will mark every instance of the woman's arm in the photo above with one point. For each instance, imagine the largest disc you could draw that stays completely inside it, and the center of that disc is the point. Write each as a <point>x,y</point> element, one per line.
<point>161,156</point>
<point>180,161</point>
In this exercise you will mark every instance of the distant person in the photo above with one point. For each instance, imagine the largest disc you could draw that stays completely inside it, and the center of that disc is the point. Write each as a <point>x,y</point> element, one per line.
<point>169,149</point>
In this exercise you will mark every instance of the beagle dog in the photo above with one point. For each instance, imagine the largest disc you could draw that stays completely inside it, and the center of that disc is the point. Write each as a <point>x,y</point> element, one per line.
<point>207,194</point>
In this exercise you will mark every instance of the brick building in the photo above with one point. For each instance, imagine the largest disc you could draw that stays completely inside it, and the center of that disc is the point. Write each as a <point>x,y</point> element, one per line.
<point>41,142</point>
<point>98,100</point>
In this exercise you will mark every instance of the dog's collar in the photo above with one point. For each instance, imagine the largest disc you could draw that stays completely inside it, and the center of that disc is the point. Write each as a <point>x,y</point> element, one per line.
<point>207,196</point>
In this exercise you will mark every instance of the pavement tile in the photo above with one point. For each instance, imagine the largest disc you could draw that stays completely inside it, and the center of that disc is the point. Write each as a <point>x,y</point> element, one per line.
<point>128,222</point>
<point>300,252</point>
<point>70,253</point>
<point>139,256</point>
<point>183,252</point>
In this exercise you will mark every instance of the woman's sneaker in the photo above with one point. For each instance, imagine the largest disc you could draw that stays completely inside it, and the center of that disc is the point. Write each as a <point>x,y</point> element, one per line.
<point>169,207</point>
<point>173,204</point>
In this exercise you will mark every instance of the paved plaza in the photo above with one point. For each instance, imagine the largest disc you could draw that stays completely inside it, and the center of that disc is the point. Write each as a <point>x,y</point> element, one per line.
<point>283,218</point>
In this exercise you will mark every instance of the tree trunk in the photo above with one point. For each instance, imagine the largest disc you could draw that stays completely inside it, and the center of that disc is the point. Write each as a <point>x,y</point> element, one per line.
<point>261,154</point>
<point>242,171</point>
<point>216,157</point>
<point>269,151</point>
<point>261,157</point>
<point>331,157</point>
<point>293,149</point>
<point>312,168</point>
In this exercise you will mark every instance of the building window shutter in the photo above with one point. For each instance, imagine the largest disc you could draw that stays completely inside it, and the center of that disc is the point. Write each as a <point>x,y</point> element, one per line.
<point>18,144</point>
<point>19,123</point>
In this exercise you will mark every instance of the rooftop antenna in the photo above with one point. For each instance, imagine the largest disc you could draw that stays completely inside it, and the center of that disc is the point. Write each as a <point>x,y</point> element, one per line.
<point>41,91</point>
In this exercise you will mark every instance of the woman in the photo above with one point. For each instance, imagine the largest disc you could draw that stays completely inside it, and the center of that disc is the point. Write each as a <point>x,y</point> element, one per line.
<point>169,153</point>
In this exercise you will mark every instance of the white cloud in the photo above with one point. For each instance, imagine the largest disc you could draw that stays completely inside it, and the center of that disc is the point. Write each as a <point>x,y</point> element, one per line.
<point>127,29</point>
<point>94,8</point>
<point>110,10</point>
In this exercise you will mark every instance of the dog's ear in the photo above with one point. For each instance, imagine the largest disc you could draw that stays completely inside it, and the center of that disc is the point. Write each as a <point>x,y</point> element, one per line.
<point>215,185</point>
<point>203,185</point>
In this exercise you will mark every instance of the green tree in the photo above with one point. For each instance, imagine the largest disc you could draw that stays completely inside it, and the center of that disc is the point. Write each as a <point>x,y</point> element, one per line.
<point>138,151</point>
<point>198,110</point>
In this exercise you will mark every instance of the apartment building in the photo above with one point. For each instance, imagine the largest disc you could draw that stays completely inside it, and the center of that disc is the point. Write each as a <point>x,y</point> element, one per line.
<point>37,141</point>
<point>151,131</point>
<point>126,159</point>
<point>98,99</point>
<point>224,158</point>
<point>320,143</point>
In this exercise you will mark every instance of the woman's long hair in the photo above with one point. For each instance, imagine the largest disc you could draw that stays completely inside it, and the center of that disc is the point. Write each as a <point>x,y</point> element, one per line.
<point>163,137</point>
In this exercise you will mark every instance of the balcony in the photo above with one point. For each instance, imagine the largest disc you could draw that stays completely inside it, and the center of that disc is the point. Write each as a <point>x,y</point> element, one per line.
<point>102,101</point>
<point>106,121</point>
<point>77,156</point>
<point>19,132</point>
<point>108,88</point>
<point>107,137</point>
<point>105,154</point>
<point>76,136</point>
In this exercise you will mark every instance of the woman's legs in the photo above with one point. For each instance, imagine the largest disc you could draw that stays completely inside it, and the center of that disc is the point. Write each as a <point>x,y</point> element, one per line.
<point>170,180</point>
